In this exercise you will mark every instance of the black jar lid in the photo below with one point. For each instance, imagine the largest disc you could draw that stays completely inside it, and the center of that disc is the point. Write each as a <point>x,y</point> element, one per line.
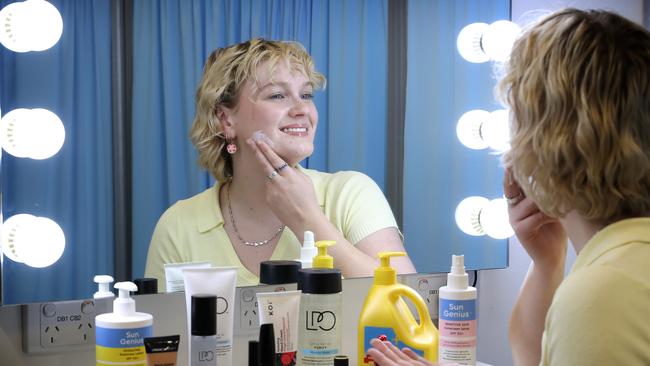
<point>204,315</point>
<point>341,360</point>
<point>279,272</point>
<point>319,281</point>
<point>146,286</point>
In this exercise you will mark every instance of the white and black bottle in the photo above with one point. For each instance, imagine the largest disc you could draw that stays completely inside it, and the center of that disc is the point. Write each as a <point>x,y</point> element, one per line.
<point>204,330</point>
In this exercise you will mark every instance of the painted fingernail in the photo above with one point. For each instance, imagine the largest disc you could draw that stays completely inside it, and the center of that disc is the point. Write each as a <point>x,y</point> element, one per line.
<point>259,136</point>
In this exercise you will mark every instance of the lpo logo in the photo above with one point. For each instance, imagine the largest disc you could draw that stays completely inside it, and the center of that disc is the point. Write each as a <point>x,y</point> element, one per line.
<point>320,320</point>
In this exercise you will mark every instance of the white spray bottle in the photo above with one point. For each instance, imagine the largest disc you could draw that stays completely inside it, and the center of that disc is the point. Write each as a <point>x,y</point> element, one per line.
<point>120,335</point>
<point>308,250</point>
<point>457,318</point>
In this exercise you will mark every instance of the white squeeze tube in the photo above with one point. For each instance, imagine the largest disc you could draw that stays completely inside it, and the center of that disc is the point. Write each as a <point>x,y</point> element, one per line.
<point>174,274</point>
<point>282,309</point>
<point>221,282</point>
<point>457,318</point>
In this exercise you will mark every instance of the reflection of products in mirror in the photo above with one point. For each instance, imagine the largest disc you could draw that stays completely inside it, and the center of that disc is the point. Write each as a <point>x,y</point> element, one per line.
<point>32,25</point>
<point>279,272</point>
<point>146,285</point>
<point>479,216</point>
<point>36,241</point>
<point>31,133</point>
<point>103,286</point>
<point>174,274</point>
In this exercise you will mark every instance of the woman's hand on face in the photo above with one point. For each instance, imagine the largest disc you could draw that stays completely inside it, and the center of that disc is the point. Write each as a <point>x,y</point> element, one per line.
<point>289,193</point>
<point>542,236</point>
<point>385,353</point>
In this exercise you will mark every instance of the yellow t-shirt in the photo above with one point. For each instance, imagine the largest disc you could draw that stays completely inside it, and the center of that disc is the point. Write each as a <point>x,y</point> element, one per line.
<point>192,230</point>
<point>600,314</point>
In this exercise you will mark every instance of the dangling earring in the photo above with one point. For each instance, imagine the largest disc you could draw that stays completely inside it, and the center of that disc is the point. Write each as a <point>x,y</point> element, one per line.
<point>230,147</point>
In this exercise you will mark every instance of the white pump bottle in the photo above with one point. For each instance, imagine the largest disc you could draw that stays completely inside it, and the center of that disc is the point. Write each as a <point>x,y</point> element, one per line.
<point>103,291</point>
<point>120,334</point>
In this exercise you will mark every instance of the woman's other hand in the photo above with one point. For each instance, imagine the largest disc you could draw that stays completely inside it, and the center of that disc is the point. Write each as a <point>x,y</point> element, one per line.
<point>385,353</point>
<point>542,236</point>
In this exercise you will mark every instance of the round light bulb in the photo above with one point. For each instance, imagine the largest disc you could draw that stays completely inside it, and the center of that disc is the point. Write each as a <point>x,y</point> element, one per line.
<point>469,129</point>
<point>498,39</point>
<point>46,24</point>
<point>15,132</point>
<point>14,33</point>
<point>48,135</point>
<point>469,43</point>
<point>468,214</point>
<point>13,233</point>
<point>494,219</point>
<point>42,244</point>
<point>496,131</point>
<point>31,133</point>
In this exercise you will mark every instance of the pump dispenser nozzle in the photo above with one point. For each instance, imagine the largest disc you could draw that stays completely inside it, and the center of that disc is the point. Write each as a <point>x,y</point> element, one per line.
<point>308,250</point>
<point>124,305</point>
<point>323,260</point>
<point>385,274</point>
<point>457,279</point>
<point>103,283</point>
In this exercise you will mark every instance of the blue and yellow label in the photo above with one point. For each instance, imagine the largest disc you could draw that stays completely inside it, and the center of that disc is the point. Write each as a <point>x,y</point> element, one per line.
<point>121,346</point>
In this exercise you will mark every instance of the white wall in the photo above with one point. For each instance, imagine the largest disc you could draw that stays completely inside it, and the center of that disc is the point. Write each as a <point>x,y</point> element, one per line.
<point>498,289</point>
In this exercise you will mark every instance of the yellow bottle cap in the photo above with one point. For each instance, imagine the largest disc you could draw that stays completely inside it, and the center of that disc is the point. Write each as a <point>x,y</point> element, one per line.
<point>323,260</point>
<point>385,274</point>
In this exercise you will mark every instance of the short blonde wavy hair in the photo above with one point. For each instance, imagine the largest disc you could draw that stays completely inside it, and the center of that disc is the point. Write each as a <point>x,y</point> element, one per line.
<point>578,84</point>
<point>224,74</point>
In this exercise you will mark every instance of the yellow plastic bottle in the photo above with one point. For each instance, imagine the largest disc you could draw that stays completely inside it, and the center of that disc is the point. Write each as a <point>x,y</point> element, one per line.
<point>385,314</point>
<point>322,259</point>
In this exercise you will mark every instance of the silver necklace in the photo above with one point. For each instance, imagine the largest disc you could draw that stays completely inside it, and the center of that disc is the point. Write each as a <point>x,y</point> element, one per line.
<point>234,226</point>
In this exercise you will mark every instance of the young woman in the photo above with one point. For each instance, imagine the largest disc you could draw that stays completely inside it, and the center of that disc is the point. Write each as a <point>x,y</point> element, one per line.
<point>255,121</point>
<point>577,84</point>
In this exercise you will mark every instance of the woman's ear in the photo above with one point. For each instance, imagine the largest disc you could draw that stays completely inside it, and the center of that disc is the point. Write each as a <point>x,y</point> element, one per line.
<point>223,115</point>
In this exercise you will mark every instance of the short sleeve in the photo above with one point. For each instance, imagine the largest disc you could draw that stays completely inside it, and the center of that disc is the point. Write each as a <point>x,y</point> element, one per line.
<point>599,316</point>
<point>357,204</point>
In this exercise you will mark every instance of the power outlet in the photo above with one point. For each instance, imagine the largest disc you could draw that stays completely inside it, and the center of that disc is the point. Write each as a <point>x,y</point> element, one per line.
<point>427,285</point>
<point>248,321</point>
<point>59,326</point>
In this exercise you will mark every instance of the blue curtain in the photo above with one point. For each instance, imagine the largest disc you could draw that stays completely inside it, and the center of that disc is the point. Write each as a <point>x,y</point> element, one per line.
<point>172,40</point>
<point>438,170</point>
<point>74,187</point>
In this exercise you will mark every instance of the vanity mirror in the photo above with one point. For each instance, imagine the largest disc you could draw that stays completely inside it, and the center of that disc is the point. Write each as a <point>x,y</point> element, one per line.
<point>127,156</point>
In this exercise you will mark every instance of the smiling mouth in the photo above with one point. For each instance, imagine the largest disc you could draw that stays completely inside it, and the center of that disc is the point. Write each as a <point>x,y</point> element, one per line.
<point>295,131</point>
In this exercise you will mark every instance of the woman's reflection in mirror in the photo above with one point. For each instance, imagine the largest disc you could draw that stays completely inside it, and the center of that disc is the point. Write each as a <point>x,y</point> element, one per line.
<point>255,121</point>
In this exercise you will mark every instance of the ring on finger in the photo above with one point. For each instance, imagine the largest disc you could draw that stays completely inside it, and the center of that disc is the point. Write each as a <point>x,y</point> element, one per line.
<point>279,169</point>
<point>272,175</point>
<point>516,199</point>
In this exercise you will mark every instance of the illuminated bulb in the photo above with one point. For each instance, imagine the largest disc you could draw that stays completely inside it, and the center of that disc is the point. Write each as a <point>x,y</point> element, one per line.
<point>468,214</point>
<point>32,25</point>
<point>469,129</point>
<point>43,244</point>
<point>48,134</point>
<point>46,24</point>
<point>36,241</point>
<point>14,33</point>
<point>12,234</point>
<point>498,39</point>
<point>31,133</point>
<point>469,43</point>
<point>496,131</point>
<point>494,219</point>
